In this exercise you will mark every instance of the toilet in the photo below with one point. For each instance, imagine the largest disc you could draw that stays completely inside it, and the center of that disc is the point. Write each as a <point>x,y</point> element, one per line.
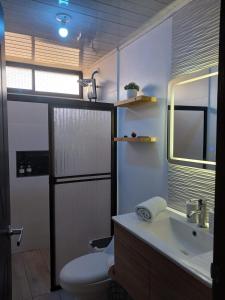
<point>86,277</point>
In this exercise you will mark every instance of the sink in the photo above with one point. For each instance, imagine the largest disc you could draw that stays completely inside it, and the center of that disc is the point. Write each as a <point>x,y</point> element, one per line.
<point>186,244</point>
<point>187,239</point>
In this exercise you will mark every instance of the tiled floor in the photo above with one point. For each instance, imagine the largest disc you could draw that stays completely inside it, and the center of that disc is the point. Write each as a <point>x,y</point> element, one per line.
<point>31,277</point>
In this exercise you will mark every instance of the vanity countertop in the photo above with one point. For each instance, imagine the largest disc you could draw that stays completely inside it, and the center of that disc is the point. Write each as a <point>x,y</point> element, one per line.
<point>187,245</point>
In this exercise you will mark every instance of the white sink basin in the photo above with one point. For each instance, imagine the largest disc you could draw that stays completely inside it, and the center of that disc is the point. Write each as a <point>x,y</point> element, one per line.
<point>186,244</point>
<point>186,238</point>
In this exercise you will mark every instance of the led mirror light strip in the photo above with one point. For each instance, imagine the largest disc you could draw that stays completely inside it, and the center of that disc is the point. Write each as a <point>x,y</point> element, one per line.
<point>172,103</point>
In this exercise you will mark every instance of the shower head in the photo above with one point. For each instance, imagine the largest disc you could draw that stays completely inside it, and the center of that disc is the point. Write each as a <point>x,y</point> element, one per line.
<point>91,84</point>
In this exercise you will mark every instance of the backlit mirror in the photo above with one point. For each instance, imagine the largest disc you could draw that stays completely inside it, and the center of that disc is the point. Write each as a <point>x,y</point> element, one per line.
<point>192,119</point>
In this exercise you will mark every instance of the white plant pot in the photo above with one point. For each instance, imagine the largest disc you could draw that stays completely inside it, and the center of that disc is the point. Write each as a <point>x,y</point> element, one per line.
<point>132,93</point>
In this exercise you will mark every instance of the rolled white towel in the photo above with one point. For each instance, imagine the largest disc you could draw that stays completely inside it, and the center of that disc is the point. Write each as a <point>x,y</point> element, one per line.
<point>150,209</point>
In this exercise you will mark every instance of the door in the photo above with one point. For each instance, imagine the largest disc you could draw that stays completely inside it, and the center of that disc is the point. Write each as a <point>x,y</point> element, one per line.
<point>82,155</point>
<point>5,245</point>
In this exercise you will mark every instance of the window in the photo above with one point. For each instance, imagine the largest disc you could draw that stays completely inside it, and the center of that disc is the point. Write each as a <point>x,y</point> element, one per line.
<point>42,80</point>
<point>53,82</point>
<point>19,78</point>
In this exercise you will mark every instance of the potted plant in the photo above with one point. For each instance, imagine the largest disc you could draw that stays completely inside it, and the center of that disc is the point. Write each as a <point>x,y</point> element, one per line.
<point>132,88</point>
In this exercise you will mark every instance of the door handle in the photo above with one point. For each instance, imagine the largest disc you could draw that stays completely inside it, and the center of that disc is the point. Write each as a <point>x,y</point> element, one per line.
<point>16,231</point>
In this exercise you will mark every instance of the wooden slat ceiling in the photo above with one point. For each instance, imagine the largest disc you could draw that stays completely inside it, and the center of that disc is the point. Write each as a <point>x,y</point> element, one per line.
<point>103,25</point>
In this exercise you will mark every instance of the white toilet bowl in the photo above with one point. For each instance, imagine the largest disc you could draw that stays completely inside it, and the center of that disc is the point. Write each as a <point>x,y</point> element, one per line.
<point>86,277</point>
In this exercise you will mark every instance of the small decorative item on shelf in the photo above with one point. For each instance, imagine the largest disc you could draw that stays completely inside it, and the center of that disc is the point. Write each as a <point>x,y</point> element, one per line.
<point>133,134</point>
<point>132,88</point>
<point>125,136</point>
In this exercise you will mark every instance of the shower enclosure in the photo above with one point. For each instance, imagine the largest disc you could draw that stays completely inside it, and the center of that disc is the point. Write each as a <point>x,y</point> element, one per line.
<point>82,179</point>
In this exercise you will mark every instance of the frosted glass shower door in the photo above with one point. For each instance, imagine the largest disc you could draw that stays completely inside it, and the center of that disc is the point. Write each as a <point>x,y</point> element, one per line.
<point>82,144</point>
<point>82,141</point>
<point>83,213</point>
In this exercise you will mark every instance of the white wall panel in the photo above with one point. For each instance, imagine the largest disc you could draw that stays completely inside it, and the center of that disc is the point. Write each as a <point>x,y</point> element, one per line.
<point>29,196</point>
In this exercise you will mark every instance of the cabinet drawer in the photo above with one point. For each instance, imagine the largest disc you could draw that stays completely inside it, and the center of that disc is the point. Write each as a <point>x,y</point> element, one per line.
<point>147,274</point>
<point>132,271</point>
<point>175,288</point>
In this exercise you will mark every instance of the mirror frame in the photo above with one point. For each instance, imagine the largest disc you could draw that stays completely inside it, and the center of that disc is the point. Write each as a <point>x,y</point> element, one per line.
<point>171,102</point>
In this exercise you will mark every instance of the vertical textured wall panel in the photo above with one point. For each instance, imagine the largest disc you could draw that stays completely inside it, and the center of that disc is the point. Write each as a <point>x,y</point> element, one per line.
<point>187,183</point>
<point>195,41</point>
<point>195,37</point>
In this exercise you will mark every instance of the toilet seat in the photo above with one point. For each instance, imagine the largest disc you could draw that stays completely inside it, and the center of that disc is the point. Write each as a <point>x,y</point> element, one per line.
<point>86,273</point>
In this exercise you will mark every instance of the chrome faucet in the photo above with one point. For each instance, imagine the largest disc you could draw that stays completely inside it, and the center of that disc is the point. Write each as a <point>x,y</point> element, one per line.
<point>201,212</point>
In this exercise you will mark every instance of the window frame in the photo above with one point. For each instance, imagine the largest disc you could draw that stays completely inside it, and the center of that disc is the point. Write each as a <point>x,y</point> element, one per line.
<point>47,69</point>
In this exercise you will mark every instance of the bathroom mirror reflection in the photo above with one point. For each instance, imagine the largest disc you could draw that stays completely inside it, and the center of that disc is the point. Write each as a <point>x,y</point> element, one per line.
<point>192,119</point>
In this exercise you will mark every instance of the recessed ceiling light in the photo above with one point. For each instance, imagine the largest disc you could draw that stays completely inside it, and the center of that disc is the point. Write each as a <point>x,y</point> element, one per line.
<point>63,32</point>
<point>64,2</point>
<point>63,19</point>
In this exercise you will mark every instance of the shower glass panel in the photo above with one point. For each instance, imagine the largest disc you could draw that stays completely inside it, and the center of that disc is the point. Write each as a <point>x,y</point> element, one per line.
<point>82,180</point>
<point>82,140</point>
<point>83,213</point>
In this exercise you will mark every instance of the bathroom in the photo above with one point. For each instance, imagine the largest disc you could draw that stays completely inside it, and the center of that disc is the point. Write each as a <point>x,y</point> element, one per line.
<point>111,104</point>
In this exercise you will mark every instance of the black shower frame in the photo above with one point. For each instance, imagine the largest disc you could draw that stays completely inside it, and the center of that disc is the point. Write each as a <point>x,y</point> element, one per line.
<point>79,104</point>
<point>52,179</point>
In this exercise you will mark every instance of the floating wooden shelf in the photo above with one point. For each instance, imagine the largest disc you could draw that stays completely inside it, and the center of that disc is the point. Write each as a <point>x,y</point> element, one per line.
<point>149,139</point>
<point>135,101</point>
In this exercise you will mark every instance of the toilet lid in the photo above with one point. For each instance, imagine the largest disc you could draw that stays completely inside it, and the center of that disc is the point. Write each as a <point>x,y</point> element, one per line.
<point>87,269</point>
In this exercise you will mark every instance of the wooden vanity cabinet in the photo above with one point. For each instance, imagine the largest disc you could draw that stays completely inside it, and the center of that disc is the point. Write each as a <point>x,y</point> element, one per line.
<point>146,274</point>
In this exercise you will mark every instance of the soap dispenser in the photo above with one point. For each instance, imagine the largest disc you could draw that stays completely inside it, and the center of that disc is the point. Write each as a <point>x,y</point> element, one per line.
<point>29,168</point>
<point>21,169</point>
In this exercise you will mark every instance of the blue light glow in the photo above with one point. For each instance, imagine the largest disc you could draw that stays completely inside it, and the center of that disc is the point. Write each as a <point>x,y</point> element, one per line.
<point>63,32</point>
<point>64,2</point>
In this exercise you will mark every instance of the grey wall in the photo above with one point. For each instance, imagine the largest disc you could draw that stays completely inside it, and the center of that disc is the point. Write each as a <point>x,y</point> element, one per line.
<point>28,130</point>
<point>143,167</point>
